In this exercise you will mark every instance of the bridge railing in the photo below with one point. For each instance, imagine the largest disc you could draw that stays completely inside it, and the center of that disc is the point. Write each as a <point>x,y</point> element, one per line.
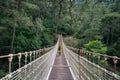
<point>97,58</point>
<point>37,65</point>
<point>84,68</point>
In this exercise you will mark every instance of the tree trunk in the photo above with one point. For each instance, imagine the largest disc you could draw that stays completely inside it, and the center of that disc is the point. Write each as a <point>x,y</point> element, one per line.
<point>60,8</point>
<point>13,39</point>
<point>70,12</point>
<point>14,28</point>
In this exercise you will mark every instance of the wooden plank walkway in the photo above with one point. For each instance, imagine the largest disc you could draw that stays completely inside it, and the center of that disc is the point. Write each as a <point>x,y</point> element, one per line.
<point>60,70</point>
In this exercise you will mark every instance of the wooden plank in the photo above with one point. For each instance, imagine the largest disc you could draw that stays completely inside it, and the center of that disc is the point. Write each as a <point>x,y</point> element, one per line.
<point>60,70</point>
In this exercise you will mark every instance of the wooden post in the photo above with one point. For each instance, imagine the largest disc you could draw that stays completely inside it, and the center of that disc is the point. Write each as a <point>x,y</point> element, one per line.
<point>81,53</point>
<point>80,66</point>
<point>115,60</point>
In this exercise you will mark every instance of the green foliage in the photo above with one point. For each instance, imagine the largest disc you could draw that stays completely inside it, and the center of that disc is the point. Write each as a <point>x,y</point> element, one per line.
<point>71,41</point>
<point>2,73</point>
<point>39,24</point>
<point>25,19</point>
<point>115,6</point>
<point>110,27</point>
<point>114,49</point>
<point>90,16</point>
<point>36,23</point>
<point>99,21</point>
<point>96,46</point>
<point>31,6</point>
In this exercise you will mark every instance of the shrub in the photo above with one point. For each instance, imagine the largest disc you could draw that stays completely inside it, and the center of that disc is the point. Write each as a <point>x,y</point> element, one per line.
<point>96,46</point>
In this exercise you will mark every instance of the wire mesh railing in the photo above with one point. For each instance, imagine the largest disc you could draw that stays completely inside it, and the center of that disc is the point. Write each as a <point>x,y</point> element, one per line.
<point>38,67</point>
<point>84,68</point>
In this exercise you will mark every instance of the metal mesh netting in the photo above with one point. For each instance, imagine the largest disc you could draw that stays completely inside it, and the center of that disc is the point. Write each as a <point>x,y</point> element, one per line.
<point>38,69</point>
<point>86,70</point>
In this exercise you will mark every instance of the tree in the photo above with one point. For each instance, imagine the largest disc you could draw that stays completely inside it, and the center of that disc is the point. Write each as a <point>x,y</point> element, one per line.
<point>110,27</point>
<point>96,46</point>
<point>115,6</point>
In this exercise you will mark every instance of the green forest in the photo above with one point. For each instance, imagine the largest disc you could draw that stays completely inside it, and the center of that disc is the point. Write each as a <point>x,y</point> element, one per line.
<point>27,25</point>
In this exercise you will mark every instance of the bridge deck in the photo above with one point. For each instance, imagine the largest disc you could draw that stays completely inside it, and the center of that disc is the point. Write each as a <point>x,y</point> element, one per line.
<point>60,70</point>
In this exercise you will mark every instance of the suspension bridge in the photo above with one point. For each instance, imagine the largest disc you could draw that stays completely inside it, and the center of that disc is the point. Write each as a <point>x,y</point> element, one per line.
<point>71,64</point>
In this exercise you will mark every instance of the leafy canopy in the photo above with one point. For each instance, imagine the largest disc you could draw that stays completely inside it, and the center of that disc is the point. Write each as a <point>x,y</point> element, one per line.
<point>96,46</point>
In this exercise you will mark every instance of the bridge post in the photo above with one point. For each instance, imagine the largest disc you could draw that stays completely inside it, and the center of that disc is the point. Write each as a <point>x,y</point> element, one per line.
<point>26,54</point>
<point>30,70</point>
<point>34,55</point>
<point>98,56</point>
<point>44,50</point>
<point>98,62</point>
<point>10,58</point>
<point>19,70</point>
<point>80,66</point>
<point>105,63</point>
<point>115,59</point>
<point>39,52</point>
<point>30,56</point>
<point>80,51</point>
<point>93,55</point>
<point>19,58</point>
